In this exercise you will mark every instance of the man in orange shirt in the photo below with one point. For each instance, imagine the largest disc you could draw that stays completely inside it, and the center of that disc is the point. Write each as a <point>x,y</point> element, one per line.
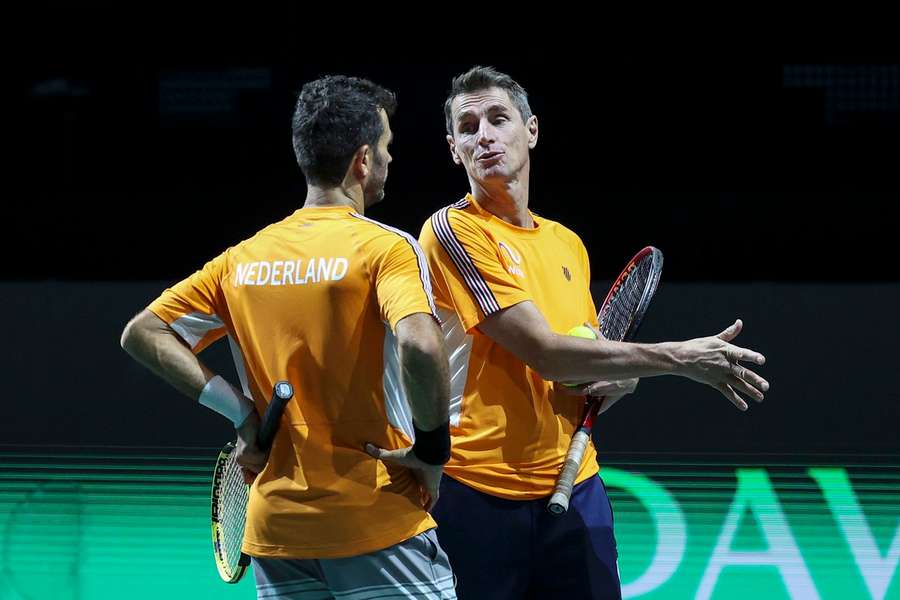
<point>340,306</point>
<point>508,284</point>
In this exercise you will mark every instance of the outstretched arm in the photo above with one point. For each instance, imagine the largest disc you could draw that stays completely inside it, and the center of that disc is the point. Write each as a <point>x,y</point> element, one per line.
<point>712,360</point>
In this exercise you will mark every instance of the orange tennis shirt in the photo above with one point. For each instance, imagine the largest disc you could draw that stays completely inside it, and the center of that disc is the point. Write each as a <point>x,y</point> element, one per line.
<point>314,300</point>
<point>510,428</point>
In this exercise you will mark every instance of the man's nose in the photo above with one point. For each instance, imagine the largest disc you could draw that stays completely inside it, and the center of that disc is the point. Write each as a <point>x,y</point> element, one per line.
<point>486,133</point>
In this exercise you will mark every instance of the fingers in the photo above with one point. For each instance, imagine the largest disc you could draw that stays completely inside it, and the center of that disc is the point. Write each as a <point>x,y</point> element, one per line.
<point>745,388</point>
<point>751,378</point>
<point>732,396</point>
<point>252,461</point>
<point>573,390</point>
<point>595,330</point>
<point>631,385</point>
<point>619,387</point>
<point>254,466</point>
<point>376,452</point>
<point>428,476</point>
<point>431,498</point>
<point>736,353</point>
<point>732,331</point>
<point>605,388</point>
<point>399,457</point>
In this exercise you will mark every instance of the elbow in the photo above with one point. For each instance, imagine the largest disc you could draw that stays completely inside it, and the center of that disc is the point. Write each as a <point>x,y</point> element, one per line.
<point>127,337</point>
<point>422,346</point>
<point>132,334</point>
<point>419,340</point>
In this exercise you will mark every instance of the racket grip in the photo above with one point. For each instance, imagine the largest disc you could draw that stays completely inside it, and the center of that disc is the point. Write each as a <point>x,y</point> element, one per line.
<point>281,394</point>
<point>559,501</point>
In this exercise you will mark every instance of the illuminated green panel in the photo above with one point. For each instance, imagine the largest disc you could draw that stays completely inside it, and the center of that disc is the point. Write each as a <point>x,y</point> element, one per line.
<point>108,527</point>
<point>787,531</point>
<point>114,525</point>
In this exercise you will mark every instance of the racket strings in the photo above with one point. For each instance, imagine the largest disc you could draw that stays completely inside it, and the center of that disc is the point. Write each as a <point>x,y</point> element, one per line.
<point>232,511</point>
<point>618,314</point>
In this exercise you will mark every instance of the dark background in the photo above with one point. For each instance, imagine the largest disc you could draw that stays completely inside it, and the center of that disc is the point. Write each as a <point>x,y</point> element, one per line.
<point>144,144</point>
<point>834,388</point>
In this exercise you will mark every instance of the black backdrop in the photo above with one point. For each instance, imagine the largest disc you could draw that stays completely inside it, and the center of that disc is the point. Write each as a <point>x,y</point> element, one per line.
<point>146,142</point>
<point>834,386</point>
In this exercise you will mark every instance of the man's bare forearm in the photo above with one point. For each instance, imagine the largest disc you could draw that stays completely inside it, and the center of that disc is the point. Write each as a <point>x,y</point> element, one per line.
<point>423,362</point>
<point>712,360</point>
<point>567,358</point>
<point>522,330</point>
<point>151,342</point>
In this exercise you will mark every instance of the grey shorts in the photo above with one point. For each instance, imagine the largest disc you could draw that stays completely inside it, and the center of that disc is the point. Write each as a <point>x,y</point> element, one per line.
<point>416,568</point>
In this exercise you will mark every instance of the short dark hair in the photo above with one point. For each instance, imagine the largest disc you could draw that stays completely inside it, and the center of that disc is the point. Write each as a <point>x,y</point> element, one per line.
<point>481,78</point>
<point>334,116</point>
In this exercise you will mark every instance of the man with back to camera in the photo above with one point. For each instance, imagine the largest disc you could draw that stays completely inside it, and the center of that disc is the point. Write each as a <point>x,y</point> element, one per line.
<point>340,306</point>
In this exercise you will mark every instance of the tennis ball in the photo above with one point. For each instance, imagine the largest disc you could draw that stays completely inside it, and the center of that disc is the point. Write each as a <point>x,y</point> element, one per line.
<point>582,332</point>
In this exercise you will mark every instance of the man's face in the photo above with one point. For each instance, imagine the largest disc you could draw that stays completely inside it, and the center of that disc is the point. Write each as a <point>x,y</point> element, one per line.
<point>489,137</point>
<point>381,157</point>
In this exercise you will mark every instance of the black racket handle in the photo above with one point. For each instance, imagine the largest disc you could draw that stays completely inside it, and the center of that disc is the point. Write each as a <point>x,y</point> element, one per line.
<point>281,394</point>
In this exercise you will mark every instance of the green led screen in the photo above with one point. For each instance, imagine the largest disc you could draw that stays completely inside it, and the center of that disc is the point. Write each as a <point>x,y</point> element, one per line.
<point>114,525</point>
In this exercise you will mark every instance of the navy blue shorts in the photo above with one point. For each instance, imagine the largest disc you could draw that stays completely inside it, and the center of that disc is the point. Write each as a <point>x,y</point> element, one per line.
<point>515,549</point>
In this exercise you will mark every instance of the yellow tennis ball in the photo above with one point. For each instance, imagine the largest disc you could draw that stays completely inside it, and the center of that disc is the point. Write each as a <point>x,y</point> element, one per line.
<point>582,332</point>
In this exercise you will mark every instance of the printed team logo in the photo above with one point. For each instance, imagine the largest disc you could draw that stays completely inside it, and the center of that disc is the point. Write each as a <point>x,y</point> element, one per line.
<point>514,259</point>
<point>567,274</point>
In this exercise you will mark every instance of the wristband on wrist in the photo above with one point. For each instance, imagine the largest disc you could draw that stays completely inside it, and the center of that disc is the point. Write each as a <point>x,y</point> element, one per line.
<point>221,396</point>
<point>432,447</point>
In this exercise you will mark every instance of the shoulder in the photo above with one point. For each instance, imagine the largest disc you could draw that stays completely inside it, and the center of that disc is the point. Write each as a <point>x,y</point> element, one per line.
<point>561,232</point>
<point>379,238</point>
<point>455,222</point>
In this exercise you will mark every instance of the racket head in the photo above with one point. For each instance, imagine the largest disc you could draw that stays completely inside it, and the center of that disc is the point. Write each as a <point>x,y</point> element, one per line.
<point>229,512</point>
<point>620,316</point>
<point>626,303</point>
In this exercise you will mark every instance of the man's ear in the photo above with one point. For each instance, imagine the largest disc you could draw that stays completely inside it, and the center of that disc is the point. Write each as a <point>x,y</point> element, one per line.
<point>532,127</point>
<point>453,153</point>
<point>361,165</point>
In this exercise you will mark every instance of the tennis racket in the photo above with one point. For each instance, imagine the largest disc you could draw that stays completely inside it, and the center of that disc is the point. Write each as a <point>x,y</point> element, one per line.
<point>619,318</point>
<point>230,492</point>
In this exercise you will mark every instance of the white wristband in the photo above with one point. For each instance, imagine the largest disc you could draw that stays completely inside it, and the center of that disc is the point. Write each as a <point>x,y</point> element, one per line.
<point>221,396</point>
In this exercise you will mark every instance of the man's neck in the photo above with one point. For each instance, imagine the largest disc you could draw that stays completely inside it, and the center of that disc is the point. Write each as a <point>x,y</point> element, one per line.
<point>335,196</point>
<point>507,200</point>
